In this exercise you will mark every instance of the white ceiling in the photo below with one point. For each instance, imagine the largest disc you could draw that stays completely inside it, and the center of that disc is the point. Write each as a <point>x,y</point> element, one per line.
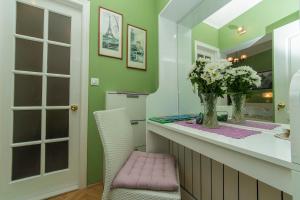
<point>229,12</point>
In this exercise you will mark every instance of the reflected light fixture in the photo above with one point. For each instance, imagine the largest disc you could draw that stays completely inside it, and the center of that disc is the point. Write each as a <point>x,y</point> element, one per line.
<point>236,60</point>
<point>244,57</point>
<point>267,95</point>
<point>230,59</point>
<point>241,30</point>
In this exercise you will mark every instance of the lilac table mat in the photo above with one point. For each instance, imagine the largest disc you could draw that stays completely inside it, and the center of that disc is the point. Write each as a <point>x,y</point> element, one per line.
<point>228,131</point>
<point>260,125</point>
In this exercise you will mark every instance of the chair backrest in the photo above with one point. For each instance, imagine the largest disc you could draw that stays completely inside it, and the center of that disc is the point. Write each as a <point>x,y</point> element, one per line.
<point>117,139</point>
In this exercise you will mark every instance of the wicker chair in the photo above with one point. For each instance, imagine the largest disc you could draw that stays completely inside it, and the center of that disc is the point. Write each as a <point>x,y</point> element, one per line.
<point>117,139</point>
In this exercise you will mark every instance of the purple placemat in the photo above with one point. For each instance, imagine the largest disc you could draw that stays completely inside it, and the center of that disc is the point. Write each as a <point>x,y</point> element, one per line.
<point>236,133</point>
<point>261,125</point>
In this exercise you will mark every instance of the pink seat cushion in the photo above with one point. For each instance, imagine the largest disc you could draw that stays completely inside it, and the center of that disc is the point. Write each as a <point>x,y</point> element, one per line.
<point>147,171</point>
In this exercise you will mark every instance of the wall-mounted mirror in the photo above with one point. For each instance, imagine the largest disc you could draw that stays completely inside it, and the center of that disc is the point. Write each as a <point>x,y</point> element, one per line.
<point>258,55</point>
<point>260,34</point>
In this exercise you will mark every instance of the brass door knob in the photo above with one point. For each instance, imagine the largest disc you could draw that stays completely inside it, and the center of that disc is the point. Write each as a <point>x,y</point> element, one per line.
<point>281,106</point>
<point>74,108</point>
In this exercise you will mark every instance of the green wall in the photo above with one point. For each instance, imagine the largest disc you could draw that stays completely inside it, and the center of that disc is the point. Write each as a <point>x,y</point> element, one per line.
<point>259,20</point>
<point>204,33</point>
<point>113,74</point>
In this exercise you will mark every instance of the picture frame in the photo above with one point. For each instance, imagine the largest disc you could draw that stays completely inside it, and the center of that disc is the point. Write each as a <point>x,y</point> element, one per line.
<point>136,47</point>
<point>110,33</point>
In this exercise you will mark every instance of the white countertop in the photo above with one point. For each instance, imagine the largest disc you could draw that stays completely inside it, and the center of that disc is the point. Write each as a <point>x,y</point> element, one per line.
<point>263,146</point>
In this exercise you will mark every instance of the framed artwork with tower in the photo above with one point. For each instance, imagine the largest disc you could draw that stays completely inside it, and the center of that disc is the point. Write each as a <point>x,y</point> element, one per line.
<point>110,33</point>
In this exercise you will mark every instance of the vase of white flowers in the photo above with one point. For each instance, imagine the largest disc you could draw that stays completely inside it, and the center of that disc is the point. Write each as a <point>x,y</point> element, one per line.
<point>207,77</point>
<point>210,119</point>
<point>240,81</point>
<point>238,107</point>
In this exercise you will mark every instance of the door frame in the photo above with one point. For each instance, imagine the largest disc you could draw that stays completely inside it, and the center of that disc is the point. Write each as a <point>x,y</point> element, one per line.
<point>206,46</point>
<point>84,7</point>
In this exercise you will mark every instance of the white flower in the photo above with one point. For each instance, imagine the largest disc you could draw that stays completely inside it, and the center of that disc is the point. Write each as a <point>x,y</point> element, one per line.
<point>245,74</point>
<point>209,76</point>
<point>203,60</point>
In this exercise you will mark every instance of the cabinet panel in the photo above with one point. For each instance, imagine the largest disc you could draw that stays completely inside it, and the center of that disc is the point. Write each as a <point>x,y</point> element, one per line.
<point>135,104</point>
<point>230,184</point>
<point>139,133</point>
<point>217,180</point>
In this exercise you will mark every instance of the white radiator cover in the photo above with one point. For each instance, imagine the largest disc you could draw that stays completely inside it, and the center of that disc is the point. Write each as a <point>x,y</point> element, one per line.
<point>135,104</point>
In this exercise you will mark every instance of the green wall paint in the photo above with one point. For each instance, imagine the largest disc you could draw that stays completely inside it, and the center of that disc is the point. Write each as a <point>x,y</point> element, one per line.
<point>256,21</point>
<point>288,19</point>
<point>113,74</point>
<point>204,33</point>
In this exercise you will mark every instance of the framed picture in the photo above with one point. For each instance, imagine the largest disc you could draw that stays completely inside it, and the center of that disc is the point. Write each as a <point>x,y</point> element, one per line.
<point>110,33</point>
<point>136,48</point>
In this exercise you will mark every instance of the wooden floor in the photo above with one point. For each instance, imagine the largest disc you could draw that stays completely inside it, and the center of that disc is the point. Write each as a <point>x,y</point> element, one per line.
<point>93,192</point>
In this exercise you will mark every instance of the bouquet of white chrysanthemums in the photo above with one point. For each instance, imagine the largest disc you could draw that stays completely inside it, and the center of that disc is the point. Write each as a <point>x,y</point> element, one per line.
<point>242,79</point>
<point>208,76</point>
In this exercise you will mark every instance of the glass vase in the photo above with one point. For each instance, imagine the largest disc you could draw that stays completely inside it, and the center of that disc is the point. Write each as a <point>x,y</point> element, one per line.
<point>238,107</point>
<point>210,119</point>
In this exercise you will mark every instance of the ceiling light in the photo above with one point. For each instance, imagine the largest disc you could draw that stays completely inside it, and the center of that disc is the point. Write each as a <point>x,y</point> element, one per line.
<point>241,30</point>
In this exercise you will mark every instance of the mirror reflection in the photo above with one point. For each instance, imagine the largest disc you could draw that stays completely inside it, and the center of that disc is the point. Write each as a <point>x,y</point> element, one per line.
<point>251,36</point>
<point>259,102</point>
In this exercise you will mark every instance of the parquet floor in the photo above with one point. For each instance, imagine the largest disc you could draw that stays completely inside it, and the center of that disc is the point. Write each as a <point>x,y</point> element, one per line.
<point>93,192</point>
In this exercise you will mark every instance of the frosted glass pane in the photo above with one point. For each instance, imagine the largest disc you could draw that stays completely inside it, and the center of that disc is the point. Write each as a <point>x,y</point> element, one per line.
<point>58,59</point>
<point>28,90</point>
<point>26,161</point>
<point>57,156</point>
<point>30,21</point>
<point>29,55</point>
<point>27,125</point>
<point>59,28</point>
<point>58,91</point>
<point>57,125</point>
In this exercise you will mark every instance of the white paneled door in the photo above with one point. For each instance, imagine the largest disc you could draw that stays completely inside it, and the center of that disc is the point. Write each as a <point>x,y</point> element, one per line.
<point>40,94</point>
<point>286,64</point>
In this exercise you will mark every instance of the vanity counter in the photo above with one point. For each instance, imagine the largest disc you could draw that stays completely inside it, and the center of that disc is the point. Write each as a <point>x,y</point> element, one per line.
<point>262,156</point>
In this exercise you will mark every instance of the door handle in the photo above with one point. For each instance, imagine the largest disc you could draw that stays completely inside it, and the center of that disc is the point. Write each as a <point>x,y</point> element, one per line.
<point>74,108</point>
<point>281,106</point>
